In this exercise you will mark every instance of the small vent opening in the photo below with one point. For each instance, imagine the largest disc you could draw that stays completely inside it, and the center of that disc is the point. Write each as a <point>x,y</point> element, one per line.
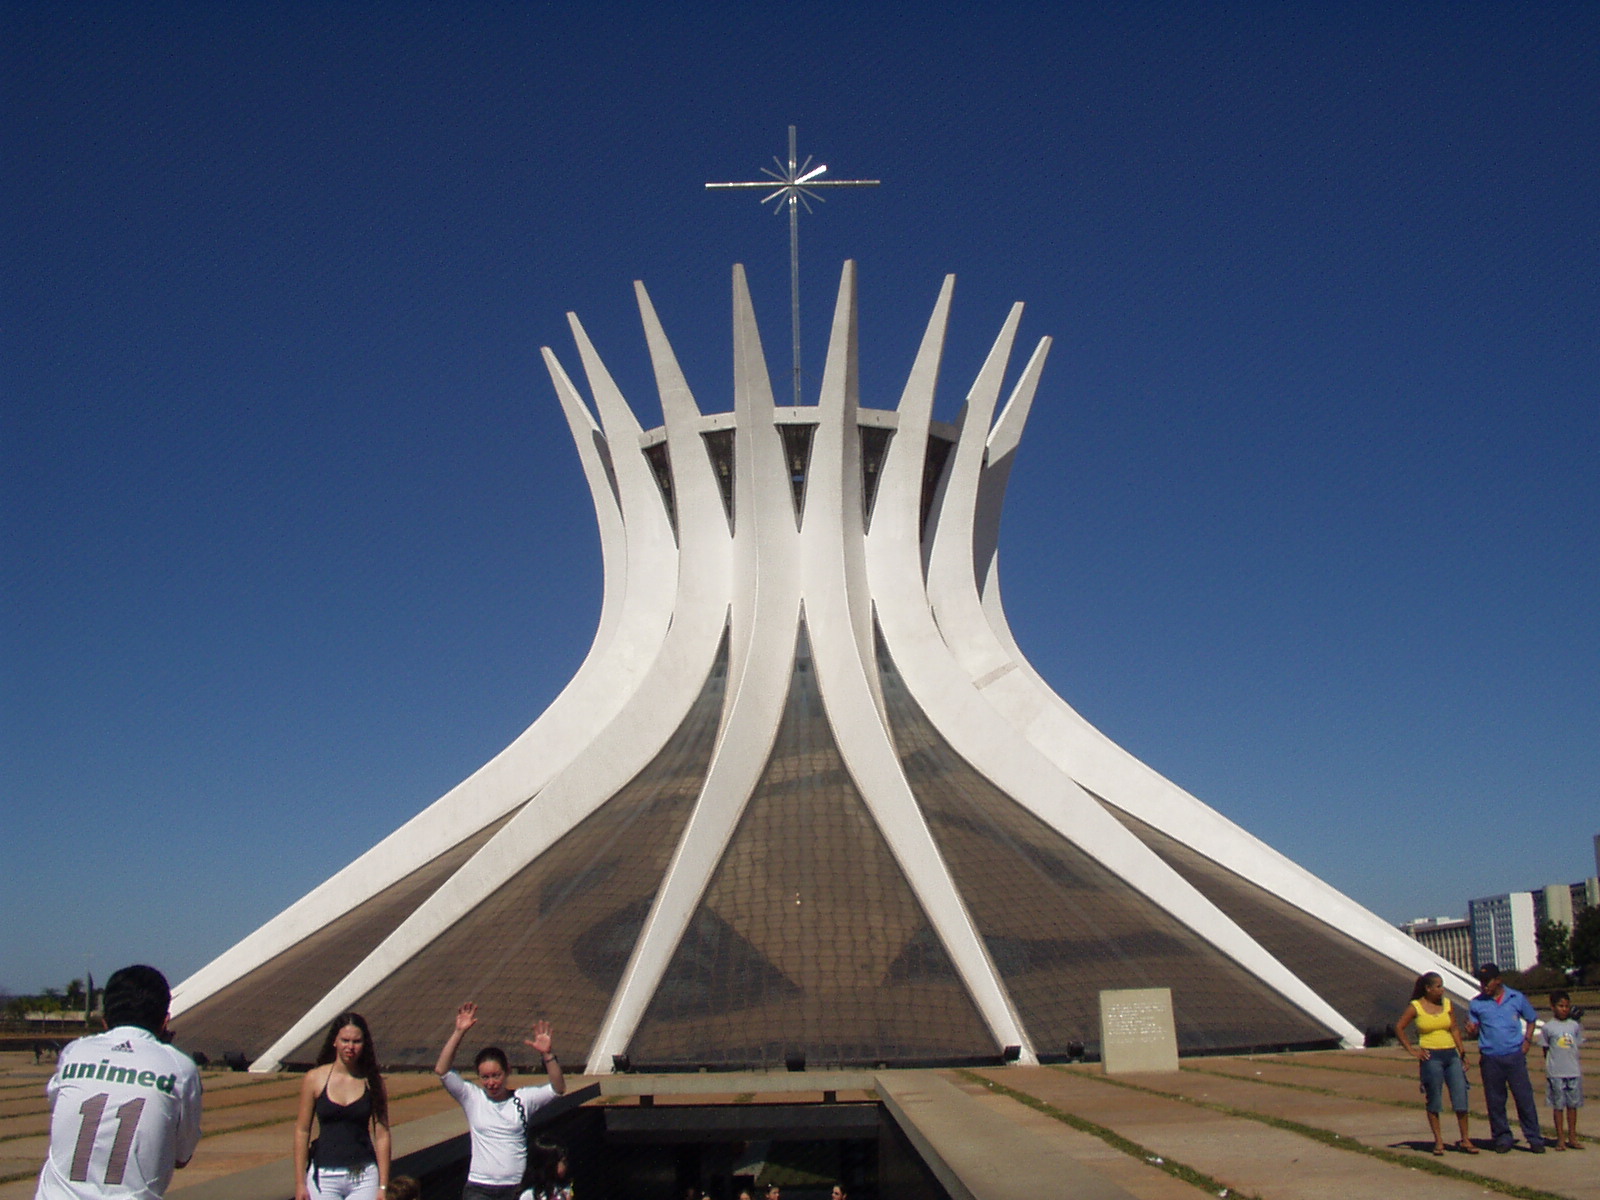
<point>874,448</point>
<point>719,446</point>
<point>932,471</point>
<point>797,460</point>
<point>661,467</point>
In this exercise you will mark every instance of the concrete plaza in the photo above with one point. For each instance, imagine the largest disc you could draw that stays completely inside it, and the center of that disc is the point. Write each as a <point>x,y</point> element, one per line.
<point>1335,1125</point>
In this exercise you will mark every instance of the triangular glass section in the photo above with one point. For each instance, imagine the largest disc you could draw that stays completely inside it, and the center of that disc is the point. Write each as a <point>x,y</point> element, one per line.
<point>661,467</point>
<point>530,947</point>
<point>1358,981</point>
<point>1061,927</point>
<point>719,447</point>
<point>874,448</point>
<point>252,1012</point>
<point>797,441</point>
<point>799,939</point>
<point>932,471</point>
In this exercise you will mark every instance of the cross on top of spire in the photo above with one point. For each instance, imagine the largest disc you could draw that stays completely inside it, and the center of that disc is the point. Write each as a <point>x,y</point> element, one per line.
<point>794,183</point>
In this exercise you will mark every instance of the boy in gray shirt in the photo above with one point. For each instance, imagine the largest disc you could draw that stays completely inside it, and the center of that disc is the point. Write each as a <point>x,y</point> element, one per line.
<point>1561,1036</point>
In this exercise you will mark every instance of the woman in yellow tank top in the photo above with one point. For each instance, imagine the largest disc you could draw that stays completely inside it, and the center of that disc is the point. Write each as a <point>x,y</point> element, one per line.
<point>1439,1051</point>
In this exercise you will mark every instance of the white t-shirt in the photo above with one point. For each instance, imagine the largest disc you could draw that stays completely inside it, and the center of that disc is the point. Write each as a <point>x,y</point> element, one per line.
<point>124,1111</point>
<point>499,1132</point>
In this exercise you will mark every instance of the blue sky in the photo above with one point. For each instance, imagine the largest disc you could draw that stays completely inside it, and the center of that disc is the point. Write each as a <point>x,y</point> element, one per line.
<point>294,537</point>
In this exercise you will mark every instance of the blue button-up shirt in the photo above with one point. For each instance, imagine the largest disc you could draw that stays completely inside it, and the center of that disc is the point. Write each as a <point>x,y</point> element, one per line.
<point>1500,1021</point>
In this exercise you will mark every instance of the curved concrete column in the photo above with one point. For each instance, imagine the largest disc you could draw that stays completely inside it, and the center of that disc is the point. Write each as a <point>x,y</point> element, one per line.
<point>833,565</point>
<point>988,742</point>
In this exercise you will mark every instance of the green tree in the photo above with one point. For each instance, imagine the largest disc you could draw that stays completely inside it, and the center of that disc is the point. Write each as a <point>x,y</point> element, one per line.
<point>1554,941</point>
<point>1585,941</point>
<point>75,993</point>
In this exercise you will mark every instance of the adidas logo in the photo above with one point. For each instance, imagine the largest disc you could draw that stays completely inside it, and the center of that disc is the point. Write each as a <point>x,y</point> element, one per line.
<point>125,1048</point>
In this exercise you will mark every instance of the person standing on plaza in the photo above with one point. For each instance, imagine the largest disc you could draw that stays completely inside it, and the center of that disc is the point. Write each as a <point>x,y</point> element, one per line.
<point>1504,1021</point>
<point>1563,1073</point>
<point>124,1105</point>
<point>1440,1056</point>
<point>497,1116</point>
<point>346,1095</point>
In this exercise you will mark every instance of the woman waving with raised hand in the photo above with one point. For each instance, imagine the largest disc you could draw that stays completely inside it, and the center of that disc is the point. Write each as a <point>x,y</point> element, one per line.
<point>497,1116</point>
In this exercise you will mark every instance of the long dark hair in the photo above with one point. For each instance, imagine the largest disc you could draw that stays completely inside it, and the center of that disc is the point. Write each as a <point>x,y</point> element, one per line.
<point>366,1066</point>
<point>1421,986</point>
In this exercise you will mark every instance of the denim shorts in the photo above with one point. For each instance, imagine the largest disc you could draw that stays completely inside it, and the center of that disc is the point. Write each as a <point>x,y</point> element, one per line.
<point>1439,1069</point>
<point>1564,1091</point>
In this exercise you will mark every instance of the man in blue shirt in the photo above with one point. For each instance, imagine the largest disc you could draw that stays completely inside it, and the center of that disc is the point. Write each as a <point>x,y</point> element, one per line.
<point>1497,1016</point>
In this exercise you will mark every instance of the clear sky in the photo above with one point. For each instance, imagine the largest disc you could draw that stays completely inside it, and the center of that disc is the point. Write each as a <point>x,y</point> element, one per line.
<point>294,537</point>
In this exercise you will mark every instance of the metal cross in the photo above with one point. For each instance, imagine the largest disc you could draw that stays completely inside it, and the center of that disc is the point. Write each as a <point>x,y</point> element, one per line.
<point>793,184</point>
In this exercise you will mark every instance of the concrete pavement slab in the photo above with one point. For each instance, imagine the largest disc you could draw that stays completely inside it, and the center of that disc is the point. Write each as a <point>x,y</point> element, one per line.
<point>1245,1155</point>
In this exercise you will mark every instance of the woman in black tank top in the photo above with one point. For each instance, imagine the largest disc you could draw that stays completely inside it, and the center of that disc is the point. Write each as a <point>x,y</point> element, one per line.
<point>345,1092</point>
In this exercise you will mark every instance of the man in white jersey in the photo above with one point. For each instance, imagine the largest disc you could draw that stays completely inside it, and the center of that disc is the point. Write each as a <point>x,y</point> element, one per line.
<point>124,1105</point>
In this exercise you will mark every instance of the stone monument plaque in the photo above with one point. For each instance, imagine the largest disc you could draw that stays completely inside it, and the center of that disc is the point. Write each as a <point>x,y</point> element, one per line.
<point>1137,1031</point>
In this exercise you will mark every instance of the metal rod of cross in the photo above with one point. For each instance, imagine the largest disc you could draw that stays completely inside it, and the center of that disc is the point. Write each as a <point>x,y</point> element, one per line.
<point>791,185</point>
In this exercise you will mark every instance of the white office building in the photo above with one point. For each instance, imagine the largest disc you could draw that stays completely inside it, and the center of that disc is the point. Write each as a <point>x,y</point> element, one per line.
<point>1503,929</point>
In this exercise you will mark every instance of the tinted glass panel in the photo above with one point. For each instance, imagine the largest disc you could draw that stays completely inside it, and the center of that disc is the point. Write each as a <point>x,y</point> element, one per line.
<point>250,1014</point>
<point>808,940</point>
<point>1061,927</point>
<point>552,941</point>
<point>1368,989</point>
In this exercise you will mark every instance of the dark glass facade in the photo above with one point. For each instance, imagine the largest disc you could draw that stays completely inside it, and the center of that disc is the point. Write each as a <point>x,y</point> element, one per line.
<point>808,940</point>
<point>1060,927</point>
<point>251,1013</point>
<point>1366,988</point>
<point>553,939</point>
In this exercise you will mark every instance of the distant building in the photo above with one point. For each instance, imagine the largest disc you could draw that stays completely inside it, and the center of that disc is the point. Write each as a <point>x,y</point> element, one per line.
<point>1554,903</point>
<point>1585,895</point>
<point>1448,937</point>
<point>1502,930</point>
<point>1562,902</point>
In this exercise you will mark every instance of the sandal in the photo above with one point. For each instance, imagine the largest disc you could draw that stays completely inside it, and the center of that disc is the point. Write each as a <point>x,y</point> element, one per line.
<point>1438,1150</point>
<point>1466,1146</point>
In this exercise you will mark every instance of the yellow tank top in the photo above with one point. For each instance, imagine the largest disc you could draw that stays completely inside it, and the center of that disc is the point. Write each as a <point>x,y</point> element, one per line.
<point>1434,1028</point>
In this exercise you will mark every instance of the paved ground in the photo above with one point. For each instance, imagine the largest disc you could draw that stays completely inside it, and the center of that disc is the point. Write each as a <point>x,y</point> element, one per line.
<point>1339,1124</point>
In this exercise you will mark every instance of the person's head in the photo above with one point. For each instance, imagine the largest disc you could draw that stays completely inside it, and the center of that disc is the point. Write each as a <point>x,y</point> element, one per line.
<point>403,1187</point>
<point>493,1071</point>
<point>744,1194</point>
<point>1429,987</point>
<point>349,1043</point>
<point>1560,1004</point>
<point>137,995</point>
<point>839,1192</point>
<point>1489,980</point>
<point>772,1192</point>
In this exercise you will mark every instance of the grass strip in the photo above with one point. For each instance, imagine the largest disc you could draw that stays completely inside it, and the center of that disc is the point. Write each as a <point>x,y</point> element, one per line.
<point>1340,1142</point>
<point>1116,1141</point>
<point>20,1175</point>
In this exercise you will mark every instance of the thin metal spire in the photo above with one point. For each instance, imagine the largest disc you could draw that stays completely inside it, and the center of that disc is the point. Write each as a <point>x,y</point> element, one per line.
<point>792,185</point>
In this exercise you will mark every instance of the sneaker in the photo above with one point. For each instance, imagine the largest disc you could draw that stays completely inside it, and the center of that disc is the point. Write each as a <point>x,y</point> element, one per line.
<point>1501,1148</point>
<point>1539,1149</point>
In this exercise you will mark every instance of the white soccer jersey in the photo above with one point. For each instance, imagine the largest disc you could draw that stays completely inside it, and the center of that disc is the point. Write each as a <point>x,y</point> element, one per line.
<point>124,1111</point>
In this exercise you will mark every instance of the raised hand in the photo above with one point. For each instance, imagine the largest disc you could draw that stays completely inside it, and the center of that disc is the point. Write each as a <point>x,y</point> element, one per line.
<point>466,1017</point>
<point>540,1040</point>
